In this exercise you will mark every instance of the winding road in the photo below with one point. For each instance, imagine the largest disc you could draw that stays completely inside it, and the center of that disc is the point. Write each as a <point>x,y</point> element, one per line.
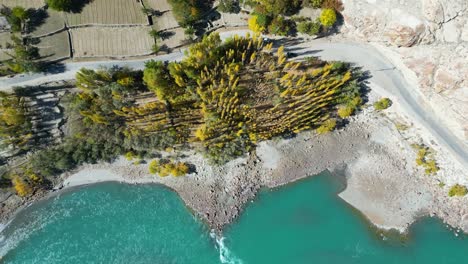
<point>384,74</point>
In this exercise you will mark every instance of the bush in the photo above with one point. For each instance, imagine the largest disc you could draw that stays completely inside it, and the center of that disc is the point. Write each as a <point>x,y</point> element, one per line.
<point>327,126</point>
<point>154,167</point>
<point>457,190</point>
<point>165,168</point>
<point>254,24</point>
<point>382,104</point>
<point>345,111</point>
<point>279,26</point>
<point>328,17</point>
<point>309,27</point>
<point>22,188</point>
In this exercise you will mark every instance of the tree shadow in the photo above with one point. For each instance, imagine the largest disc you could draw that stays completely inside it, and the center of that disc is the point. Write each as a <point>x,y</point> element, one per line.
<point>37,17</point>
<point>166,34</point>
<point>54,67</point>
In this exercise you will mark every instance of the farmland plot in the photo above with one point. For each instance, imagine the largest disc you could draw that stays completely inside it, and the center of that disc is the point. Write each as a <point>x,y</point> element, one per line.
<point>4,38</point>
<point>53,23</point>
<point>166,20</point>
<point>109,12</point>
<point>54,47</point>
<point>24,3</point>
<point>111,42</point>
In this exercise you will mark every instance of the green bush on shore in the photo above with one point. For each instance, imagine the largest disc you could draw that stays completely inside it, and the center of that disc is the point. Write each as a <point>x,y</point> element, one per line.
<point>457,190</point>
<point>382,104</point>
<point>326,126</point>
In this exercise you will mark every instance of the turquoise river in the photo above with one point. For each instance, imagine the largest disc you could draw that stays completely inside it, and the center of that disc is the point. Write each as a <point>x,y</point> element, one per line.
<point>304,222</point>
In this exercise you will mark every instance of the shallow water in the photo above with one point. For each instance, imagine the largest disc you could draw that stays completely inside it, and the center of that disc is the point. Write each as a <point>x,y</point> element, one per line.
<point>304,222</point>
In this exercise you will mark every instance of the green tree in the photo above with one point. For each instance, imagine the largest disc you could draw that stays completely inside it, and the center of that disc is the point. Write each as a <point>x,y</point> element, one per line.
<point>61,5</point>
<point>279,26</point>
<point>24,56</point>
<point>188,12</point>
<point>328,17</point>
<point>17,17</point>
<point>158,79</point>
<point>313,3</point>
<point>277,7</point>
<point>309,27</point>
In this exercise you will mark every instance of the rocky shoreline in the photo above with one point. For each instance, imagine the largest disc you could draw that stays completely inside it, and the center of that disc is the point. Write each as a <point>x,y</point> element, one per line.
<point>381,177</point>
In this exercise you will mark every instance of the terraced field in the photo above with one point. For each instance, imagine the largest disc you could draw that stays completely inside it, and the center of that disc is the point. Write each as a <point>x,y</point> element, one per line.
<point>109,12</point>
<point>54,47</point>
<point>23,3</point>
<point>111,42</point>
<point>166,20</point>
<point>4,38</point>
<point>53,23</point>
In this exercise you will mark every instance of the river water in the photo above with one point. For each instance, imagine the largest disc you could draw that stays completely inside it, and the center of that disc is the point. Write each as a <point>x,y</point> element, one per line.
<point>304,222</point>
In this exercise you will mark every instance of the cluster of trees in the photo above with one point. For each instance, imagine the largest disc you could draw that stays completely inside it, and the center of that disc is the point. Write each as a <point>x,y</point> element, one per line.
<point>219,79</point>
<point>165,168</point>
<point>188,12</point>
<point>222,98</point>
<point>271,16</point>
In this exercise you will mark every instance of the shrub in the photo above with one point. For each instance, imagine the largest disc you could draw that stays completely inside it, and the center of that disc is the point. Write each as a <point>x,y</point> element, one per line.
<point>254,25</point>
<point>165,168</point>
<point>309,28</point>
<point>279,26</point>
<point>154,166</point>
<point>130,155</point>
<point>328,17</point>
<point>22,188</point>
<point>382,104</point>
<point>313,3</point>
<point>345,111</point>
<point>457,190</point>
<point>327,126</point>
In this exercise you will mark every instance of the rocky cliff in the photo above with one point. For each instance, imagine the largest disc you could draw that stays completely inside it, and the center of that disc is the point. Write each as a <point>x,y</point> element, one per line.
<point>430,39</point>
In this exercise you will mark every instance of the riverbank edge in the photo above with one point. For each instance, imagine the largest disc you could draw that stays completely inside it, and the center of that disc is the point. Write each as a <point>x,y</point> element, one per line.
<point>217,194</point>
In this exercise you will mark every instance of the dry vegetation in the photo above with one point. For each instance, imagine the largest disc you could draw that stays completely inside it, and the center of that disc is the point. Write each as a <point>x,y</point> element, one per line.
<point>111,42</point>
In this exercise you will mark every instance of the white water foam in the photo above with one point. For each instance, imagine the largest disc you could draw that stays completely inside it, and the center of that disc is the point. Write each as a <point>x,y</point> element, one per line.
<point>225,255</point>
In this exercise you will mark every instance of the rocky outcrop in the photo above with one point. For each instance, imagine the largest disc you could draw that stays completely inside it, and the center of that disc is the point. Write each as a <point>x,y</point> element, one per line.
<point>407,23</point>
<point>430,37</point>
